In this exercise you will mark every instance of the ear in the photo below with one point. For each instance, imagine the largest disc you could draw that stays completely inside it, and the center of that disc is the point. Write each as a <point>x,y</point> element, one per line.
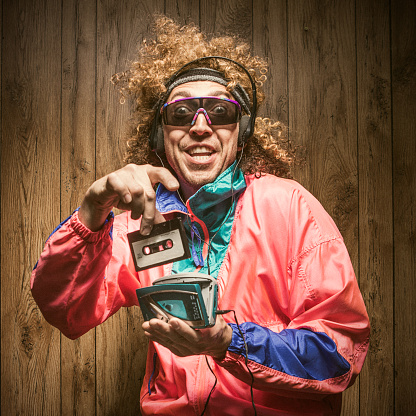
<point>242,131</point>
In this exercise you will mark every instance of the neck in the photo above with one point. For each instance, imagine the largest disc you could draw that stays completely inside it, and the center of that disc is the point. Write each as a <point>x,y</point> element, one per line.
<point>186,190</point>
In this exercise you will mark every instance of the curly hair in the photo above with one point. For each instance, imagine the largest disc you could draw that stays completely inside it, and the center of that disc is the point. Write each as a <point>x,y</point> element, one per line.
<point>267,151</point>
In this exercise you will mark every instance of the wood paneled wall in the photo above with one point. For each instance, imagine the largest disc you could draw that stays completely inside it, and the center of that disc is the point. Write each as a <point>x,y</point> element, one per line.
<point>343,78</point>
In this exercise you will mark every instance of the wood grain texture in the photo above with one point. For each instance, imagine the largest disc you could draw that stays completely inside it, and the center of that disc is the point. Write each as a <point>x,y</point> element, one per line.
<point>120,344</point>
<point>322,115</point>
<point>270,42</point>
<point>30,169</point>
<point>322,105</point>
<point>375,184</point>
<point>403,36</point>
<point>221,17</point>
<point>77,174</point>
<point>183,11</point>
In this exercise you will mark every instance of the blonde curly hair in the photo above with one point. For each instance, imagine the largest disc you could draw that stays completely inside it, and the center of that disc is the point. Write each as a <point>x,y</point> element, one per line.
<point>268,150</point>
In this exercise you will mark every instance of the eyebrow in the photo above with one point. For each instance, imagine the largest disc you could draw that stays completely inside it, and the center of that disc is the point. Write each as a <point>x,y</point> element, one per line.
<point>187,94</point>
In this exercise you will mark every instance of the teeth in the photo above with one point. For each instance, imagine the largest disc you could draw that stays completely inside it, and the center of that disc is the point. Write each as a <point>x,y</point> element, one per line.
<point>200,151</point>
<point>196,157</point>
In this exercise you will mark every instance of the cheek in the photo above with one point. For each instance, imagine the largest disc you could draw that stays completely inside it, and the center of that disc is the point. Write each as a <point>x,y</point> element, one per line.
<point>231,142</point>
<point>169,153</point>
<point>169,135</point>
<point>171,139</point>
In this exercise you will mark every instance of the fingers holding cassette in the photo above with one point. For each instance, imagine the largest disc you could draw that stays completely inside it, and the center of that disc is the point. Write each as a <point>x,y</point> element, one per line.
<point>132,189</point>
<point>140,181</point>
<point>119,189</point>
<point>129,188</point>
<point>162,175</point>
<point>148,212</point>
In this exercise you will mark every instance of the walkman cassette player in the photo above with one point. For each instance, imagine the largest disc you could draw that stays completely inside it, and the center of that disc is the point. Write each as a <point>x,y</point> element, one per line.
<point>191,296</point>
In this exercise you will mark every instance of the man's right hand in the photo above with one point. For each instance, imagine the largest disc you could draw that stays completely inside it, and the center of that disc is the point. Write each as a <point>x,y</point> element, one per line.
<point>129,189</point>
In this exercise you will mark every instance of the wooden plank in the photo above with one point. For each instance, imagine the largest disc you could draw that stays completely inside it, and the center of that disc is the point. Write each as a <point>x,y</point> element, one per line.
<point>322,104</point>
<point>121,345</point>
<point>322,115</point>
<point>183,11</point>
<point>232,17</point>
<point>403,36</point>
<point>31,89</point>
<point>375,184</point>
<point>77,174</point>
<point>270,42</point>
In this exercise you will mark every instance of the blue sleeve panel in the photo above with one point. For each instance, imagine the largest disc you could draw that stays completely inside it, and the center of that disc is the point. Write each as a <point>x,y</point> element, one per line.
<point>298,352</point>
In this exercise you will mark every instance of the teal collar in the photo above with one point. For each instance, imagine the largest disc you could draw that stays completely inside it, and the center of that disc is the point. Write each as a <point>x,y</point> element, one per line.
<point>213,205</point>
<point>207,199</point>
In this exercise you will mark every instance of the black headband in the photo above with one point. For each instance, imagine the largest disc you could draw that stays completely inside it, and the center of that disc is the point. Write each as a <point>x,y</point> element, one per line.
<point>208,74</point>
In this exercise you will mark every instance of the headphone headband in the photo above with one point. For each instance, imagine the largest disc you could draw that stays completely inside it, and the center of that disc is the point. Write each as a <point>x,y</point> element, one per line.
<point>246,129</point>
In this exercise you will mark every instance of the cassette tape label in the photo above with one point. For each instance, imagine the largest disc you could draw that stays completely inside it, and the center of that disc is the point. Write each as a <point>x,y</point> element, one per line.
<point>166,243</point>
<point>153,250</point>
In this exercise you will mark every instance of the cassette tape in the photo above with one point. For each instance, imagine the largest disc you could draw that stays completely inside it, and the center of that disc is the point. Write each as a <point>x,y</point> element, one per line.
<point>166,243</point>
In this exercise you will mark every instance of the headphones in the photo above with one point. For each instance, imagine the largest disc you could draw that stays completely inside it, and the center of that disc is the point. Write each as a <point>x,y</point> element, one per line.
<point>246,123</point>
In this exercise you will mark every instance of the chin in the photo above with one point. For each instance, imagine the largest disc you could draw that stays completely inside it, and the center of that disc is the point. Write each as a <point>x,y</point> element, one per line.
<point>198,182</point>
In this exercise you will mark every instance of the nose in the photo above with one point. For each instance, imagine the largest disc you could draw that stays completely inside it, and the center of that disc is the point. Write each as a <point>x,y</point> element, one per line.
<point>201,124</point>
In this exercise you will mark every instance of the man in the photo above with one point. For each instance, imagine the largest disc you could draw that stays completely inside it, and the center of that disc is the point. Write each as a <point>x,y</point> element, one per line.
<point>279,260</point>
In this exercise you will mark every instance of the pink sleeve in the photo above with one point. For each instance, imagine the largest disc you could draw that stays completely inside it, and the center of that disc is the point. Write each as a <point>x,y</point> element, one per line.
<point>83,277</point>
<point>307,328</point>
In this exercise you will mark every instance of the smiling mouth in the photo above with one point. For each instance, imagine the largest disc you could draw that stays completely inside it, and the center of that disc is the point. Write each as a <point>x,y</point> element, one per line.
<point>200,153</point>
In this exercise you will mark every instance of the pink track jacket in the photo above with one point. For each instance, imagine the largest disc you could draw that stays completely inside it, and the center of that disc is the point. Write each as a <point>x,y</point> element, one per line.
<point>281,265</point>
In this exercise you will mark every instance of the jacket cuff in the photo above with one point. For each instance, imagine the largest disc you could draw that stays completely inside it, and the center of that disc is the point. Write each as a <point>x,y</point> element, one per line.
<point>237,342</point>
<point>235,350</point>
<point>92,236</point>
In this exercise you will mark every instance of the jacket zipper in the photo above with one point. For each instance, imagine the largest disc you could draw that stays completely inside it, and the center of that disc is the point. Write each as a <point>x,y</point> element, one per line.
<point>202,371</point>
<point>194,218</point>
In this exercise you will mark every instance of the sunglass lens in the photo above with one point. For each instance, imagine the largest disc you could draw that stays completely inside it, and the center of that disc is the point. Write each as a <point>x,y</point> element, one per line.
<point>181,112</point>
<point>221,111</point>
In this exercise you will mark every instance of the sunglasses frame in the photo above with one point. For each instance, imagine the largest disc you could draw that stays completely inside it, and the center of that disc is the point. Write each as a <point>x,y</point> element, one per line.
<point>200,109</point>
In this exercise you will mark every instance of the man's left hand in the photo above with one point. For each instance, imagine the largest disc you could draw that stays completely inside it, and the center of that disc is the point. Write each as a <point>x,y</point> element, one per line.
<point>183,340</point>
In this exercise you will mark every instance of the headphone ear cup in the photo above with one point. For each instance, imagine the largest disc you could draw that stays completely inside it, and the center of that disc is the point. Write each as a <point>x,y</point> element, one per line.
<point>244,130</point>
<point>158,140</point>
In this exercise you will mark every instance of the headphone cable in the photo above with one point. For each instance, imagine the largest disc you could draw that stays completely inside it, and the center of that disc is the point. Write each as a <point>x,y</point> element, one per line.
<point>222,312</point>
